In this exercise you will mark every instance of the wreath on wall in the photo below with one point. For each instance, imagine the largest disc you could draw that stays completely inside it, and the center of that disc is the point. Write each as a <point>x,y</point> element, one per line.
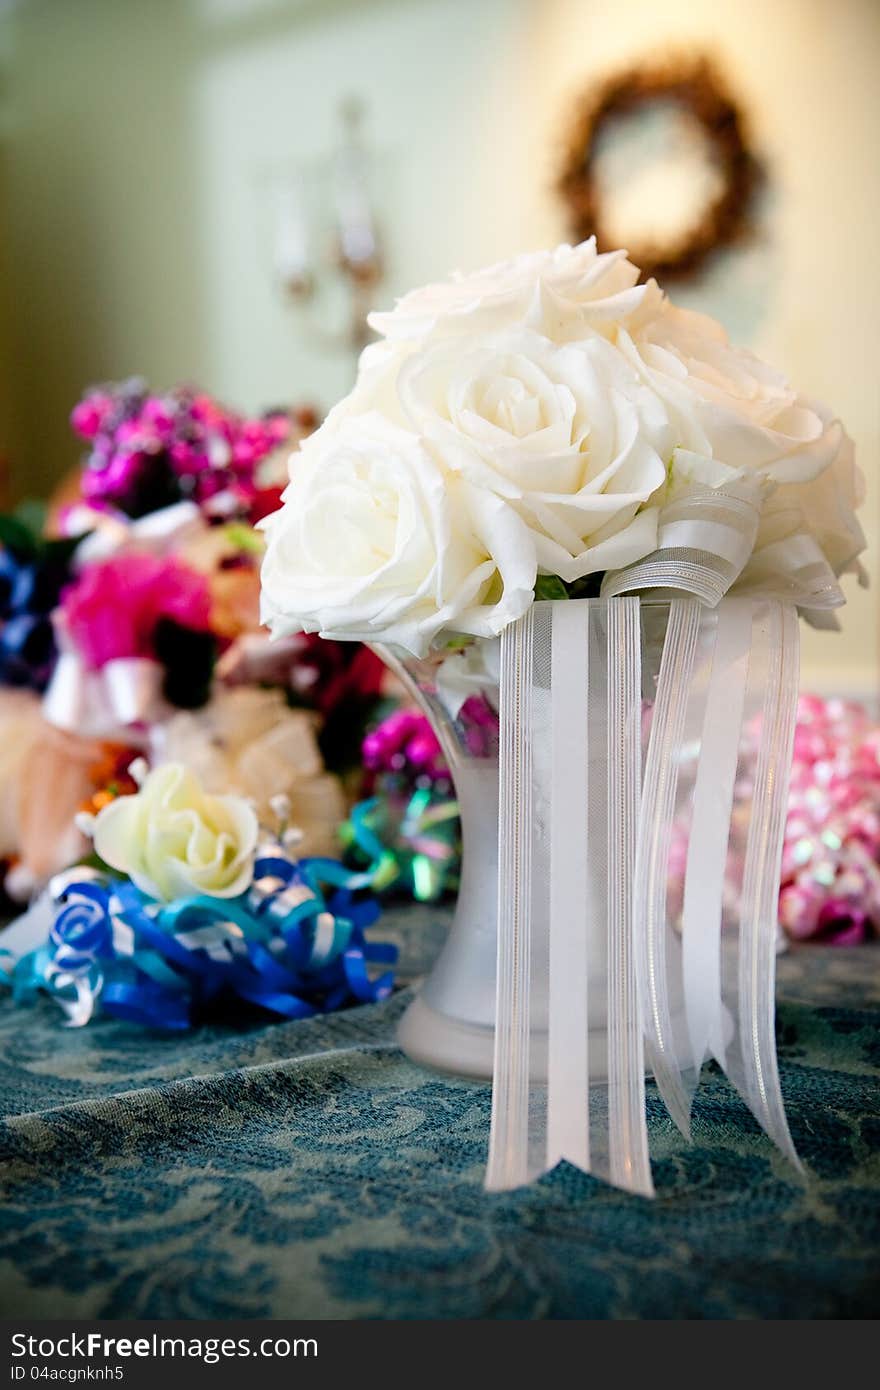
<point>694,87</point>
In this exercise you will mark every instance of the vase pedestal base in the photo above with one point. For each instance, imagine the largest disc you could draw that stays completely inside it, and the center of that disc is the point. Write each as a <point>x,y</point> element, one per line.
<point>433,1039</point>
<point>447,1044</point>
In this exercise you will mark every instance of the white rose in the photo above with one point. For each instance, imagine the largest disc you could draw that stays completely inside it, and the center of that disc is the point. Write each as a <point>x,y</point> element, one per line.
<point>828,509</point>
<point>567,434</point>
<point>173,839</point>
<point>726,402</point>
<point>560,293</point>
<point>822,508</point>
<point>373,543</point>
<point>728,405</point>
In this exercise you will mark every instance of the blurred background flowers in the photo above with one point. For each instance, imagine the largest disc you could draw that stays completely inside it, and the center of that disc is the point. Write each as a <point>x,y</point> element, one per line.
<point>214,193</point>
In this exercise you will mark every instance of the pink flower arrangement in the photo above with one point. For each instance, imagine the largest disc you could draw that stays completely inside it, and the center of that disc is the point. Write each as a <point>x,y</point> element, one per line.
<point>113,610</point>
<point>147,451</point>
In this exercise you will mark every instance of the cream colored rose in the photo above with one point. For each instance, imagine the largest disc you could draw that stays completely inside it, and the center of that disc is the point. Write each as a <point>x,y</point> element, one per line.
<point>568,435</point>
<point>374,543</point>
<point>561,293</point>
<point>249,741</point>
<point>173,839</point>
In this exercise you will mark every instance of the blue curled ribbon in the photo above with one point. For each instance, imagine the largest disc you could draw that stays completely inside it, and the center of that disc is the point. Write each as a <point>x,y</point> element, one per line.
<point>287,944</point>
<point>32,576</point>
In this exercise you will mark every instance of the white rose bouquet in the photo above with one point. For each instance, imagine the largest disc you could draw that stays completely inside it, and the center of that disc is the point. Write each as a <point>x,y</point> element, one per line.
<point>550,424</point>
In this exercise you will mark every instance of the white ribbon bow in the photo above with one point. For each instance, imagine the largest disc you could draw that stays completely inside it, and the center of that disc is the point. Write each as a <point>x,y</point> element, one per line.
<point>729,539</point>
<point>124,693</point>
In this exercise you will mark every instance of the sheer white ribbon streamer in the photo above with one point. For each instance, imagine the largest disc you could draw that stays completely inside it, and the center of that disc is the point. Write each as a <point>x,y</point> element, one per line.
<point>605,948</point>
<point>659,951</point>
<point>751,1063</point>
<point>568,1060</point>
<point>509,1135</point>
<point>565,1086</point>
<point>707,850</point>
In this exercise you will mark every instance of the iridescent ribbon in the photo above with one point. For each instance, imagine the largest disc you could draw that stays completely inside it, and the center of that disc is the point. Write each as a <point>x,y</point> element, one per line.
<point>408,840</point>
<point>282,945</point>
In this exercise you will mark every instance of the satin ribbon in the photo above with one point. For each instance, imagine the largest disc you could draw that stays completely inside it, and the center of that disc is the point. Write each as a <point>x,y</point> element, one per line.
<point>719,540</point>
<point>126,691</point>
<point>284,945</point>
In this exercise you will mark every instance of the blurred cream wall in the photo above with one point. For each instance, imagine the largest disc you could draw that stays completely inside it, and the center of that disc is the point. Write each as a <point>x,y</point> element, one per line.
<point>136,137</point>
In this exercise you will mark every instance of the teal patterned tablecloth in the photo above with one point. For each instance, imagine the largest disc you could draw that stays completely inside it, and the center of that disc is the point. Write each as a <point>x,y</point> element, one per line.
<point>310,1170</point>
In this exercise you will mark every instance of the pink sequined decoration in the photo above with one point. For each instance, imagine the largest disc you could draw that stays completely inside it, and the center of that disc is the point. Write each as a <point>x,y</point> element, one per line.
<point>831,862</point>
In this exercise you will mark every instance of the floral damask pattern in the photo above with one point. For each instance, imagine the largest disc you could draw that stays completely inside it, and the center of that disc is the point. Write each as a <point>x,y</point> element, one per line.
<point>310,1170</point>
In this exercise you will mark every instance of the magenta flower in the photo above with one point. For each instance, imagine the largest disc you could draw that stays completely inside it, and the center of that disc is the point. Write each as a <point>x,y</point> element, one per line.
<point>89,417</point>
<point>148,451</point>
<point>405,743</point>
<point>113,610</point>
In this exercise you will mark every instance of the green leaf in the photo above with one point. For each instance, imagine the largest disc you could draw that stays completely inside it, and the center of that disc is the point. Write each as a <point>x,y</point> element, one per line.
<point>94,861</point>
<point>549,586</point>
<point>588,587</point>
<point>244,537</point>
<point>18,537</point>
